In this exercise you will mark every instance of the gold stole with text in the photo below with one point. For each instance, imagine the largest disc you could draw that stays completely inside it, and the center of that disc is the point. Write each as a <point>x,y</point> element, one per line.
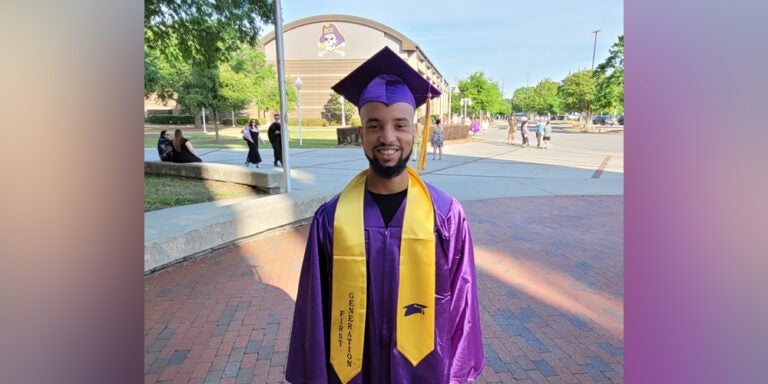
<point>416,290</point>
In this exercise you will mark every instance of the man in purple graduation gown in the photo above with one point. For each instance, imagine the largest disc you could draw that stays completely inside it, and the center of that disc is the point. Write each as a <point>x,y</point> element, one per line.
<point>387,92</point>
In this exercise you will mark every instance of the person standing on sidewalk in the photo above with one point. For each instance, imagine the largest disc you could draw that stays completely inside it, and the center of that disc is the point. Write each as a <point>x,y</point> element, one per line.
<point>512,125</point>
<point>252,137</point>
<point>475,127</point>
<point>524,131</point>
<point>437,140</point>
<point>276,139</point>
<point>547,134</point>
<point>387,291</point>
<point>540,132</point>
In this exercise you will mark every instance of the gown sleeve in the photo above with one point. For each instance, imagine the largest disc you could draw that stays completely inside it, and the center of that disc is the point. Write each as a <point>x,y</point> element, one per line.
<point>467,359</point>
<point>307,362</point>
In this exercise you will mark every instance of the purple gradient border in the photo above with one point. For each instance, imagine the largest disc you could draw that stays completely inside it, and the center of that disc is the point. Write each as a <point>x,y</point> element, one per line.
<point>694,259</point>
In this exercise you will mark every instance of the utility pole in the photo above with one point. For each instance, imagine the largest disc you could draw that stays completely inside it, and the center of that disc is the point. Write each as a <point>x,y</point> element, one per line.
<point>278,14</point>
<point>594,48</point>
<point>527,91</point>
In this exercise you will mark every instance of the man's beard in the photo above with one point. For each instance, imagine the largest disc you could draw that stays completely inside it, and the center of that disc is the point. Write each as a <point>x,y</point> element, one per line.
<point>388,172</point>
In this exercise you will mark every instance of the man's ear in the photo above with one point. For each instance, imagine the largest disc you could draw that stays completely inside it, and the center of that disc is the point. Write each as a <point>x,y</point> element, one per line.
<point>360,132</point>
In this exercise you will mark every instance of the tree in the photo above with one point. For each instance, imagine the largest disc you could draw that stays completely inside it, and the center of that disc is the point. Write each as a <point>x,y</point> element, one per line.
<point>545,99</point>
<point>162,74</point>
<point>199,89</point>
<point>609,78</point>
<point>236,89</point>
<point>262,78</point>
<point>578,91</point>
<point>202,34</point>
<point>485,94</point>
<point>204,30</point>
<point>522,99</point>
<point>332,109</point>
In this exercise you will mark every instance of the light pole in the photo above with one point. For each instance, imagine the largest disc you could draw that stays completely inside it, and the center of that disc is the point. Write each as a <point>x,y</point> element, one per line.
<point>298,83</point>
<point>343,117</point>
<point>465,102</point>
<point>281,84</point>
<point>594,47</point>
<point>450,103</point>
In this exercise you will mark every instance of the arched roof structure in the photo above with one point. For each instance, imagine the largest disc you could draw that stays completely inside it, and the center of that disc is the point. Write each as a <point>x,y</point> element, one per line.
<point>323,49</point>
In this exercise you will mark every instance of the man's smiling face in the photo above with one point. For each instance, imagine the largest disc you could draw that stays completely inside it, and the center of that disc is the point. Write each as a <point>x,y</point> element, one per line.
<point>387,135</point>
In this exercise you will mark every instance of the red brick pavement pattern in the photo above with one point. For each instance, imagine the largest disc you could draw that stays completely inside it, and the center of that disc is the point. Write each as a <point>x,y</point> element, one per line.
<point>550,279</point>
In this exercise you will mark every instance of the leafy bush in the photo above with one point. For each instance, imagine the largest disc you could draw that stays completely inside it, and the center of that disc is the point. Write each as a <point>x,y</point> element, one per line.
<point>307,122</point>
<point>455,131</point>
<point>348,136</point>
<point>238,121</point>
<point>169,119</point>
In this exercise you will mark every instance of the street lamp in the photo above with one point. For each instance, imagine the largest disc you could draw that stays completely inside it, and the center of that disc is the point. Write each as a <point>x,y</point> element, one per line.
<point>466,101</point>
<point>343,117</point>
<point>298,85</point>
<point>594,47</point>
<point>454,91</point>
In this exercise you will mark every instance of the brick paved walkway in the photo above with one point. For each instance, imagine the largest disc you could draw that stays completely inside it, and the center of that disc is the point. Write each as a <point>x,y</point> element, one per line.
<point>550,276</point>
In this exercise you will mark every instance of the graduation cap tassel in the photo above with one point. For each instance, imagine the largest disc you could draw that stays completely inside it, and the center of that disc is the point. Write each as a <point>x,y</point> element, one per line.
<point>424,136</point>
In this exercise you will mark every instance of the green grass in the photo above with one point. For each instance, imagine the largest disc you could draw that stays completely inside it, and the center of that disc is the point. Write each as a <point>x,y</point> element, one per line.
<point>164,192</point>
<point>231,138</point>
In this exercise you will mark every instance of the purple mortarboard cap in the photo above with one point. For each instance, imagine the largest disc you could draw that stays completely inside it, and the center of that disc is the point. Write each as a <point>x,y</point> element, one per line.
<point>385,78</point>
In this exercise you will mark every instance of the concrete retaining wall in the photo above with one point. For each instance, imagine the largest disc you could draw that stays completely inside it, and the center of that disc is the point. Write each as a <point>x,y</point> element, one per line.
<point>267,180</point>
<point>175,234</point>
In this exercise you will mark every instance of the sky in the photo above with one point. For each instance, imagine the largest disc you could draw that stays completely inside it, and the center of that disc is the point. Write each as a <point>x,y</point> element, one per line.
<point>515,43</point>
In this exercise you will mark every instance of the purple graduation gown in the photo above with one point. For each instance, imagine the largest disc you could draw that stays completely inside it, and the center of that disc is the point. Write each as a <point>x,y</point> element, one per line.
<point>458,354</point>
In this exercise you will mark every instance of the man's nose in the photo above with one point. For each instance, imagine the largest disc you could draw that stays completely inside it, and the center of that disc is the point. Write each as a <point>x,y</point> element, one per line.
<point>387,135</point>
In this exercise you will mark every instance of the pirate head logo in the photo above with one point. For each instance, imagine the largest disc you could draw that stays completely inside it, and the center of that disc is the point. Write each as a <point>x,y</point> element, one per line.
<point>330,39</point>
<point>412,309</point>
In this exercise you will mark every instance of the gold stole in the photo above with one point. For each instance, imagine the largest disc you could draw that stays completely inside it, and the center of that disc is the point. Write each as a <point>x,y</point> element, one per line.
<point>416,292</point>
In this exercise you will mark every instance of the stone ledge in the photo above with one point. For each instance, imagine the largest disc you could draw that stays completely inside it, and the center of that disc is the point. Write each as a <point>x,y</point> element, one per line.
<point>266,180</point>
<point>176,234</point>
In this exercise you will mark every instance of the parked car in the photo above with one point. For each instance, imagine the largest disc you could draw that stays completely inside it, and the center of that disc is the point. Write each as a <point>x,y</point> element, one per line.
<point>602,120</point>
<point>621,119</point>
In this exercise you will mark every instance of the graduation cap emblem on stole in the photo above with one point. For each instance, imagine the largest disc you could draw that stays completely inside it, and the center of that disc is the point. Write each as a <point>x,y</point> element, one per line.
<point>412,309</point>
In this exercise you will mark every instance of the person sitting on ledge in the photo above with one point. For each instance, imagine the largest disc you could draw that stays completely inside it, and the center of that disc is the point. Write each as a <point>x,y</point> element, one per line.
<point>183,152</point>
<point>164,147</point>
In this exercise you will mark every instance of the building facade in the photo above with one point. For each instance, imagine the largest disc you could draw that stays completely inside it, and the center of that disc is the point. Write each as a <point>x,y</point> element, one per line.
<point>323,49</point>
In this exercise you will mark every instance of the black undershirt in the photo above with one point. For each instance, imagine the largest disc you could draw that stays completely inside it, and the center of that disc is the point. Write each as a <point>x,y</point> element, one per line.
<point>389,204</point>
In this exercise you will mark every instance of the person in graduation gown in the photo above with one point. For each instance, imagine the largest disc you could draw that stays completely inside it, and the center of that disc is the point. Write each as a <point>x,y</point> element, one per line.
<point>276,139</point>
<point>403,308</point>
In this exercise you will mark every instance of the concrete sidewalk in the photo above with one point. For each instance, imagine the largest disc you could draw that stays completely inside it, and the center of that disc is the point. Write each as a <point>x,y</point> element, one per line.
<point>576,164</point>
<point>548,232</point>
